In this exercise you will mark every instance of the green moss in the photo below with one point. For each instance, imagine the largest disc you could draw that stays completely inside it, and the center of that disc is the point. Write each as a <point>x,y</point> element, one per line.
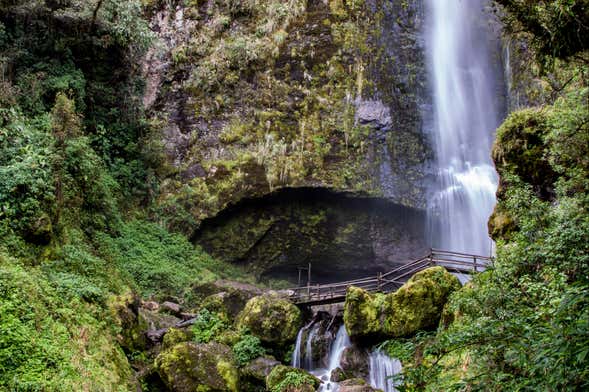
<point>287,379</point>
<point>272,319</point>
<point>175,336</point>
<point>189,366</point>
<point>415,306</point>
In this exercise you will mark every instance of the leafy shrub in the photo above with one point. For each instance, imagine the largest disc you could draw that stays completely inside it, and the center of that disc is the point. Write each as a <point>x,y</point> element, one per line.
<point>207,326</point>
<point>248,348</point>
<point>157,261</point>
<point>49,342</point>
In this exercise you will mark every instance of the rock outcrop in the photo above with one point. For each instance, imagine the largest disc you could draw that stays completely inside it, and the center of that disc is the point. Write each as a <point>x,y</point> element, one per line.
<point>189,366</point>
<point>417,305</point>
<point>288,379</point>
<point>274,320</point>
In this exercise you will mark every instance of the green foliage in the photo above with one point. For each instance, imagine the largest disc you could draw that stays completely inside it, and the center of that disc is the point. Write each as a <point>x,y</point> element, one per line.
<point>160,263</point>
<point>283,378</point>
<point>558,27</point>
<point>247,349</point>
<point>524,324</point>
<point>26,181</point>
<point>51,342</point>
<point>207,326</point>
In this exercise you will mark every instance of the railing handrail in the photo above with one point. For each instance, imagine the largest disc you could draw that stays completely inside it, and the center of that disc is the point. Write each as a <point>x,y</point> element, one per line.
<point>449,259</point>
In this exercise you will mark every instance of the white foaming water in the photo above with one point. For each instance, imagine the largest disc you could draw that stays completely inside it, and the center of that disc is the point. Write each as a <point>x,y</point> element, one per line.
<point>296,354</point>
<point>342,340</point>
<point>466,113</point>
<point>382,369</point>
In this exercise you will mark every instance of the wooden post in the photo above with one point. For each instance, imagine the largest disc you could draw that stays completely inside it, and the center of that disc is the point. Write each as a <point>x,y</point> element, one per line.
<point>475,264</point>
<point>299,284</point>
<point>309,281</point>
<point>378,277</point>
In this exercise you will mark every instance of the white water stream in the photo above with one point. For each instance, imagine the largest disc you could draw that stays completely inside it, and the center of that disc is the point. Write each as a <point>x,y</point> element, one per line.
<point>382,370</point>
<point>465,88</point>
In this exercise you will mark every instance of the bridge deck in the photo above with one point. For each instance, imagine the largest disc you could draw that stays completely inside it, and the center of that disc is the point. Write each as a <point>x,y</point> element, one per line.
<point>455,262</point>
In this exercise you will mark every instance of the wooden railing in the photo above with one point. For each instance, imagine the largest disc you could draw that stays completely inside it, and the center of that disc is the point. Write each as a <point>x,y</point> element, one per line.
<point>455,262</point>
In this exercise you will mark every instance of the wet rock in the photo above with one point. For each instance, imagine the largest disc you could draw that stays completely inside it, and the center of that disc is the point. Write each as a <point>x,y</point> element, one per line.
<point>290,379</point>
<point>272,319</point>
<point>374,114</point>
<point>338,375</point>
<point>40,230</point>
<point>190,366</point>
<point>171,307</point>
<point>253,375</point>
<point>150,305</point>
<point>356,385</point>
<point>354,363</point>
<point>417,305</point>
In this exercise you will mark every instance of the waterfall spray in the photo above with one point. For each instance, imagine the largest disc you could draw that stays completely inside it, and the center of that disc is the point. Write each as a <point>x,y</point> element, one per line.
<point>464,86</point>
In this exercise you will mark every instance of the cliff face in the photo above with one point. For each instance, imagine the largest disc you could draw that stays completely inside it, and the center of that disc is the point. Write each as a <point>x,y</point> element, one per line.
<point>290,94</point>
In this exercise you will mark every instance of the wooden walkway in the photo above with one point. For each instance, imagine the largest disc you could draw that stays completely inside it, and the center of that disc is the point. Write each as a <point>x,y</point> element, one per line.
<point>460,263</point>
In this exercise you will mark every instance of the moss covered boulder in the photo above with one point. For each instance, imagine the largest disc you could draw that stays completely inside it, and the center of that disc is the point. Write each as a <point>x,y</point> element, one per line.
<point>271,318</point>
<point>191,367</point>
<point>288,379</point>
<point>417,305</point>
<point>223,297</point>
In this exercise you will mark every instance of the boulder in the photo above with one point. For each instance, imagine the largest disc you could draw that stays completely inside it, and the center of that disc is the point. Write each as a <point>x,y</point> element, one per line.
<point>254,374</point>
<point>176,335</point>
<point>125,312</point>
<point>354,363</point>
<point>272,319</point>
<point>190,366</point>
<point>417,305</point>
<point>171,307</point>
<point>288,379</point>
<point>224,296</point>
<point>356,385</point>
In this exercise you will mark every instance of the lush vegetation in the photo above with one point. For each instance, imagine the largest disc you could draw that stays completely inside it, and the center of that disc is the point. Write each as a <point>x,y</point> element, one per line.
<point>524,324</point>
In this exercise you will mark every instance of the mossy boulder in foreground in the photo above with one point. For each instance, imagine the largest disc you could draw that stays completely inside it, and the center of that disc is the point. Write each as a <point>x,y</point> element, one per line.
<point>274,320</point>
<point>288,379</point>
<point>417,305</point>
<point>191,367</point>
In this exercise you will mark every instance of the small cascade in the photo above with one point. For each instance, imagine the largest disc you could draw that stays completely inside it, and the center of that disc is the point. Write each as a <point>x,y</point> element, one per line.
<point>382,369</point>
<point>302,356</point>
<point>308,358</point>
<point>296,354</point>
<point>342,340</point>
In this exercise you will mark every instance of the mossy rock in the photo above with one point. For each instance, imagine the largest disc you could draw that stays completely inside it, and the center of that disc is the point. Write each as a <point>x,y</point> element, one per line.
<point>175,336</point>
<point>520,149</point>
<point>253,375</point>
<point>190,366</point>
<point>288,379</point>
<point>274,320</point>
<point>222,296</point>
<point>356,385</point>
<point>416,306</point>
<point>124,310</point>
<point>501,224</point>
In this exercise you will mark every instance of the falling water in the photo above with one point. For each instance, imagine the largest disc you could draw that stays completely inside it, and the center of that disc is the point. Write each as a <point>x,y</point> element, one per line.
<point>382,369</point>
<point>342,340</point>
<point>466,112</point>
<point>296,354</point>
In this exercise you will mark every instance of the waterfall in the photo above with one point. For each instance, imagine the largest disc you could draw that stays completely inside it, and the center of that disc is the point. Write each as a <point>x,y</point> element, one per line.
<point>464,86</point>
<point>382,368</point>
<point>342,340</point>
<point>296,354</point>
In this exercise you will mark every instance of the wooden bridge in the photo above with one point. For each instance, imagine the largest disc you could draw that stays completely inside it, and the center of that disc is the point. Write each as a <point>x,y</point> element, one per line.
<point>455,262</point>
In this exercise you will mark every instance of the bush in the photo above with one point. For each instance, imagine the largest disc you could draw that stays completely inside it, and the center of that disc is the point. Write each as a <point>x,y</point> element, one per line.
<point>247,349</point>
<point>207,326</point>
